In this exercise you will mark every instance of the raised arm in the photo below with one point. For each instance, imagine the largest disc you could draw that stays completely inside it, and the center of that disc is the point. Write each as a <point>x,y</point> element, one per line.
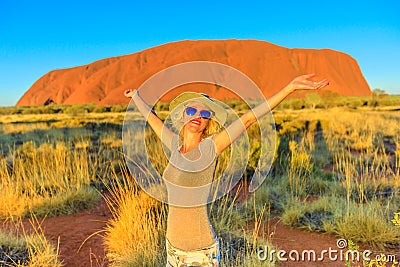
<point>224,138</point>
<point>153,120</point>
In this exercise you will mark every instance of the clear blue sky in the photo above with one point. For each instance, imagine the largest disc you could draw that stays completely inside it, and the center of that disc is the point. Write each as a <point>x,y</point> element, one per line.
<point>39,36</point>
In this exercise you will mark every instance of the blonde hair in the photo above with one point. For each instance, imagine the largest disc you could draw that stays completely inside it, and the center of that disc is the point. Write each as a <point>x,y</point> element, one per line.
<point>213,127</point>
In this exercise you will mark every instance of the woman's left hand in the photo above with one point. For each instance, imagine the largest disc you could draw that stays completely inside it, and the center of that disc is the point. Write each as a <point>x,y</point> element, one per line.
<point>303,82</point>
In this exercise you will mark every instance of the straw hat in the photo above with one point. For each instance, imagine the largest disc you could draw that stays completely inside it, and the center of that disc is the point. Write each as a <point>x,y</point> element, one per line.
<point>177,106</point>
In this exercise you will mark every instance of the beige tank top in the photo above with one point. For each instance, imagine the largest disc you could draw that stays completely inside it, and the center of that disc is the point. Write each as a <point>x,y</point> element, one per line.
<point>188,225</point>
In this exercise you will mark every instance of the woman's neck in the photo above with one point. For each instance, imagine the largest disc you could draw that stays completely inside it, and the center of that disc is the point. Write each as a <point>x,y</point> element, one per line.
<point>190,141</point>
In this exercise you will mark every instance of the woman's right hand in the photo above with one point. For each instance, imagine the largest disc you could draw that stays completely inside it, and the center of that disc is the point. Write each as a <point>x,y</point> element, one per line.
<point>130,92</point>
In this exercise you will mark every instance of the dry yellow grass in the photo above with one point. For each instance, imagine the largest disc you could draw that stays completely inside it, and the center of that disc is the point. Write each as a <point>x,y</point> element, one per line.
<point>46,180</point>
<point>134,236</point>
<point>349,156</point>
<point>363,148</point>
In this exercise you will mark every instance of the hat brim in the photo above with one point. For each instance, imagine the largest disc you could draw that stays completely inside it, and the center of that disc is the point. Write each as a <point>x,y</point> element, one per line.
<point>178,103</point>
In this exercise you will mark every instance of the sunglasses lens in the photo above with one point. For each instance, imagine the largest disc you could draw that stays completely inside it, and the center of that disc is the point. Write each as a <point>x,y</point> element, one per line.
<point>190,111</point>
<point>205,114</point>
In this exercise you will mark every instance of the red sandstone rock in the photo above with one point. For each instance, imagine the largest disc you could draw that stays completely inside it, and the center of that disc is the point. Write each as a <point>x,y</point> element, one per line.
<point>268,65</point>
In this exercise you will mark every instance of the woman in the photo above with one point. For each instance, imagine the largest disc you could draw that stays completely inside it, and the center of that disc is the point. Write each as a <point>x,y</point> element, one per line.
<point>190,238</point>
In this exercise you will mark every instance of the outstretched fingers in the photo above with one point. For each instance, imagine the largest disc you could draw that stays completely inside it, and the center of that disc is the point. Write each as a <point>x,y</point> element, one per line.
<point>321,84</point>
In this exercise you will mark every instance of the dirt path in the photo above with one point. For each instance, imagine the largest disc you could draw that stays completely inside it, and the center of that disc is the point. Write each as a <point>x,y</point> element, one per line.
<point>72,230</point>
<point>293,240</point>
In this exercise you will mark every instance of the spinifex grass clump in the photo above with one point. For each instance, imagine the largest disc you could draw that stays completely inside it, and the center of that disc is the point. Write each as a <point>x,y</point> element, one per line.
<point>46,180</point>
<point>12,249</point>
<point>369,224</point>
<point>135,234</point>
<point>300,168</point>
<point>27,249</point>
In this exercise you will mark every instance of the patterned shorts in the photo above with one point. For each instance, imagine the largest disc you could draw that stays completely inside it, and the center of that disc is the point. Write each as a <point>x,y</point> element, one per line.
<point>207,257</point>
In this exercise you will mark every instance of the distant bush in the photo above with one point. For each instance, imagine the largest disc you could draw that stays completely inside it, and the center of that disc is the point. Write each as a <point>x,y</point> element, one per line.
<point>331,99</point>
<point>118,108</point>
<point>327,99</point>
<point>161,106</point>
<point>312,100</point>
<point>100,109</point>
<point>296,103</point>
<point>75,110</point>
<point>237,105</point>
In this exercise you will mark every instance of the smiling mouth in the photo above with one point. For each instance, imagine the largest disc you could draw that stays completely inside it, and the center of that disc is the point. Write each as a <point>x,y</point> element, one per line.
<point>196,121</point>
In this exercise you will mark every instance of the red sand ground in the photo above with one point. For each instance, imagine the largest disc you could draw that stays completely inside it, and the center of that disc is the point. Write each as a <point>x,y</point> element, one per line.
<point>73,230</point>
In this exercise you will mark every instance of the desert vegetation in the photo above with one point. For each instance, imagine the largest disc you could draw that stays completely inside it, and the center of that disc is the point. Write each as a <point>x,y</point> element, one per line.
<point>336,170</point>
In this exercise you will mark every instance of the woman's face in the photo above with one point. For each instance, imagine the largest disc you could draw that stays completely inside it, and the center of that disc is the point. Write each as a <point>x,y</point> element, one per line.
<point>195,123</point>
